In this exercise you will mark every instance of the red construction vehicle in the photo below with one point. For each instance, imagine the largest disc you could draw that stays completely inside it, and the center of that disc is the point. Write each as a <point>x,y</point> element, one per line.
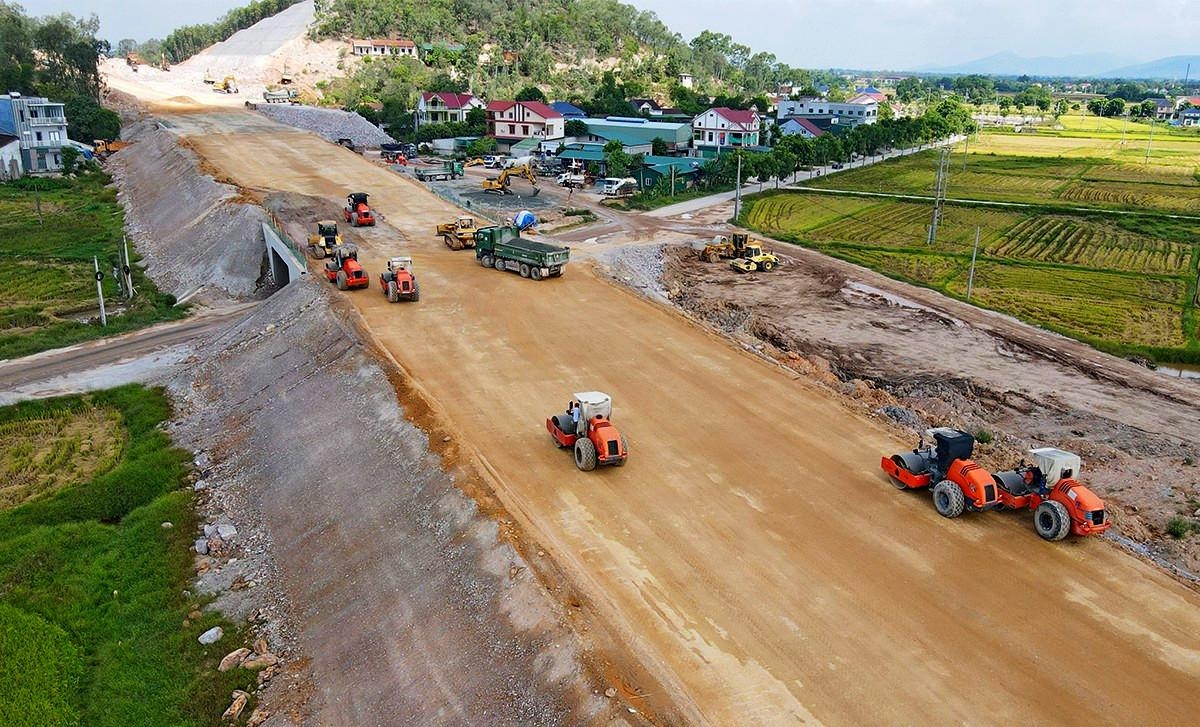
<point>587,426</point>
<point>345,270</point>
<point>357,212</point>
<point>398,282</point>
<point>1061,505</point>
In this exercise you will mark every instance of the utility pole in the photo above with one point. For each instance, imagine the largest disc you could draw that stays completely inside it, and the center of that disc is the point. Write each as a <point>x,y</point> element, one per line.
<point>1150,140</point>
<point>971,275</point>
<point>939,194</point>
<point>672,180</point>
<point>126,269</point>
<point>100,291</point>
<point>1123,127</point>
<point>737,199</point>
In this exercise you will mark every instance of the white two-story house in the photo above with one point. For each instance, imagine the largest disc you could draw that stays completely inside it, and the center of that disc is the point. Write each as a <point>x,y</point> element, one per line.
<point>439,107</point>
<point>512,122</point>
<point>721,128</point>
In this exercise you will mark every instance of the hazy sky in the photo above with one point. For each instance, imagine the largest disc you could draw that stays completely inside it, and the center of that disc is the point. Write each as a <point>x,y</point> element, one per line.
<point>883,34</point>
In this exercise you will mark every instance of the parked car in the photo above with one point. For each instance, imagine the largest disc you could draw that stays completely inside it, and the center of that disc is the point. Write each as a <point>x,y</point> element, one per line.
<point>837,165</point>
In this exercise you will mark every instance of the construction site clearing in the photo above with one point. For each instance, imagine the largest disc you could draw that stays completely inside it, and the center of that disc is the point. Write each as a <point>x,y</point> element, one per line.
<point>751,564</point>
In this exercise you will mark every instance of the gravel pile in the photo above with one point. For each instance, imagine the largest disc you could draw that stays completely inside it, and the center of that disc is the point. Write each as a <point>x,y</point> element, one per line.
<point>331,124</point>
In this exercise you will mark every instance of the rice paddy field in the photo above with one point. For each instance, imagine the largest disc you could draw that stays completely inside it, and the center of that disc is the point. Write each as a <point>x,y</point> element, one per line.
<point>50,229</point>
<point>1126,284</point>
<point>1051,170</point>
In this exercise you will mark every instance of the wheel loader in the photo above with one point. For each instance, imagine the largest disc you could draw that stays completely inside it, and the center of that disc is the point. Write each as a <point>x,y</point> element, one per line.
<point>587,427</point>
<point>1061,504</point>
<point>459,234</point>
<point>344,269</point>
<point>322,244</point>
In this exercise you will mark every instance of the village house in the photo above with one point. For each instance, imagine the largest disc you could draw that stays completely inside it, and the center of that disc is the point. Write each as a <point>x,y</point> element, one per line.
<point>399,48</point>
<point>1190,116</point>
<point>801,126</point>
<point>40,125</point>
<point>512,122</point>
<point>861,109</point>
<point>440,107</point>
<point>721,128</point>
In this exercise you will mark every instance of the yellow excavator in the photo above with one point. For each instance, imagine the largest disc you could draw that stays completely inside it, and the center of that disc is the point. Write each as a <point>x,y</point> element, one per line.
<point>499,185</point>
<point>226,85</point>
<point>476,161</point>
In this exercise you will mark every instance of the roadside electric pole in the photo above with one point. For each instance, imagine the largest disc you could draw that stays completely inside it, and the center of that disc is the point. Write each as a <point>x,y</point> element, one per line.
<point>126,270</point>
<point>1150,141</point>
<point>971,275</point>
<point>100,291</point>
<point>939,193</point>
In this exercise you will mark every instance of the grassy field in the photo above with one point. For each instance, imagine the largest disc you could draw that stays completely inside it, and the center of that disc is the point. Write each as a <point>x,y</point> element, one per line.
<point>47,288</point>
<point>91,584</point>
<point>1046,171</point>
<point>1125,284</point>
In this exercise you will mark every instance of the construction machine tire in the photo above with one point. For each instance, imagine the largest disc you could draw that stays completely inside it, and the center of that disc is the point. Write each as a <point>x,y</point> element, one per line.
<point>625,447</point>
<point>766,266</point>
<point>585,454</point>
<point>535,273</point>
<point>948,499</point>
<point>1051,520</point>
<point>392,292</point>
<point>486,261</point>
<point>341,280</point>
<point>524,270</point>
<point>499,265</point>
<point>416,294</point>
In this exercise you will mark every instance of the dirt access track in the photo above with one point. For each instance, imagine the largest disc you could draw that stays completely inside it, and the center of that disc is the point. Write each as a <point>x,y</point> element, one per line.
<point>750,557</point>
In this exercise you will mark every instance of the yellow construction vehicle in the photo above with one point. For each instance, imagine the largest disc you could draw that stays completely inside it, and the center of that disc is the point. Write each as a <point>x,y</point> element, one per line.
<point>227,84</point>
<point>499,185</point>
<point>327,239</point>
<point>102,147</point>
<point>460,233</point>
<point>473,162</point>
<point>751,256</point>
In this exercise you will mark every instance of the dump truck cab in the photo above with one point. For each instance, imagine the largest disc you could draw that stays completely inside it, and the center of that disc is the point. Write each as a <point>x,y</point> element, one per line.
<point>587,426</point>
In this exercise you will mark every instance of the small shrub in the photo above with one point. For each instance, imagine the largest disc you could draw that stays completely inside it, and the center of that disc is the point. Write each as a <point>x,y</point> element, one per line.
<point>1188,461</point>
<point>983,436</point>
<point>1178,527</point>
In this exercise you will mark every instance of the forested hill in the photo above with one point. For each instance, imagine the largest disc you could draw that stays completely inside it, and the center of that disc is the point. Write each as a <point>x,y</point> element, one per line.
<point>547,40</point>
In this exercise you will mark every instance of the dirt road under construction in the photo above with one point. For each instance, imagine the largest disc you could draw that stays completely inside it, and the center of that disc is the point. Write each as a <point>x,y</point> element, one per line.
<point>750,559</point>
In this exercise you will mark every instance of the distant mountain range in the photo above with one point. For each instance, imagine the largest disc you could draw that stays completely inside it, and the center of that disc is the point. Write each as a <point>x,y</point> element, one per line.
<point>1093,65</point>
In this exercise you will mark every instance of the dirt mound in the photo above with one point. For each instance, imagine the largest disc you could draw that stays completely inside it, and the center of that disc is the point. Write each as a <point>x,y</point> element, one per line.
<point>193,231</point>
<point>409,606</point>
<point>330,124</point>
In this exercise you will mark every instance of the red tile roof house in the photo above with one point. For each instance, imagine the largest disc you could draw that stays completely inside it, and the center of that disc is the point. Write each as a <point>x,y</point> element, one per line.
<point>720,128</point>
<point>384,47</point>
<point>512,122</point>
<point>439,107</point>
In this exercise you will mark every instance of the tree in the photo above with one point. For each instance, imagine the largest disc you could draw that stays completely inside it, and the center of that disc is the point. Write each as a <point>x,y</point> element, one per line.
<point>476,122</point>
<point>1096,106</point>
<point>1114,107</point>
<point>616,159</point>
<point>481,146</point>
<point>125,46</point>
<point>88,120</point>
<point>1061,107</point>
<point>575,127</point>
<point>530,93</point>
<point>70,156</point>
<point>783,163</point>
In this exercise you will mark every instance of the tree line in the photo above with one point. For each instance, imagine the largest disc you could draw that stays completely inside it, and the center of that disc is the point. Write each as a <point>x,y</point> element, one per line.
<point>57,56</point>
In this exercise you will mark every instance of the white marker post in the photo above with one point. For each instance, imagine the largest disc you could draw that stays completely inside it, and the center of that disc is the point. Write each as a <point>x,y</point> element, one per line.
<point>100,291</point>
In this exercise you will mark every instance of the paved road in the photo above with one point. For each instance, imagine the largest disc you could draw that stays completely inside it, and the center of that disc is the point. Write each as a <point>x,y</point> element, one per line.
<point>134,356</point>
<point>750,557</point>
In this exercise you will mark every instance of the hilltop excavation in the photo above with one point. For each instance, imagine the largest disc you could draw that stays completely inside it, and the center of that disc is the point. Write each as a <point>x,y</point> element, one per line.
<point>743,532</point>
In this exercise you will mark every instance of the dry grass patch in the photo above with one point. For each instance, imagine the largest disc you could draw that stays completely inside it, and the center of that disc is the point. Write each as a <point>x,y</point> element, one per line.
<point>56,449</point>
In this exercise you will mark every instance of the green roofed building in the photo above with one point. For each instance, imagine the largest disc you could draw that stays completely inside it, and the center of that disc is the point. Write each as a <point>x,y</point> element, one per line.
<point>638,134</point>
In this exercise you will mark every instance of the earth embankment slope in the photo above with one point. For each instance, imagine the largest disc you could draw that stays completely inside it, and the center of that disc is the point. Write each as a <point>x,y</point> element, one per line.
<point>750,552</point>
<point>193,231</point>
<point>410,608</point>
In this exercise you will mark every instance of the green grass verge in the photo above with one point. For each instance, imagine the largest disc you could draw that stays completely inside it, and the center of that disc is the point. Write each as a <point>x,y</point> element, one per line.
<point>91,588</point>
<point>646,202</point>
<point>47,288</point>
<point>1125,285</point>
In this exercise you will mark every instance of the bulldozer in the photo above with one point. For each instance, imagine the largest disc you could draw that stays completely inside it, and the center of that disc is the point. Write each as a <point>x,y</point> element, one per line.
<point>327,239</point>
<point>227,84</point>
<point>587,426</point>
<point>1061,504</point>
<point>398,281</point>
<point>459,234</point>
<point>344,269</point>
<point>500,184</point>
<point>357,212</point>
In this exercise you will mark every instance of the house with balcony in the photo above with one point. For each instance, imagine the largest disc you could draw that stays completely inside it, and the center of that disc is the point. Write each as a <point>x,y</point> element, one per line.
<point>440,107</point>
<point>862,109</point>
<point>40,125</point>
<point>513,122</point>
<point>721,129</point>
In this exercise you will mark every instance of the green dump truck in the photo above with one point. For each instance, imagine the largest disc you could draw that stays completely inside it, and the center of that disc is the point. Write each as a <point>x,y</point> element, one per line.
<point>503,248</point>
<point>447,170</point>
